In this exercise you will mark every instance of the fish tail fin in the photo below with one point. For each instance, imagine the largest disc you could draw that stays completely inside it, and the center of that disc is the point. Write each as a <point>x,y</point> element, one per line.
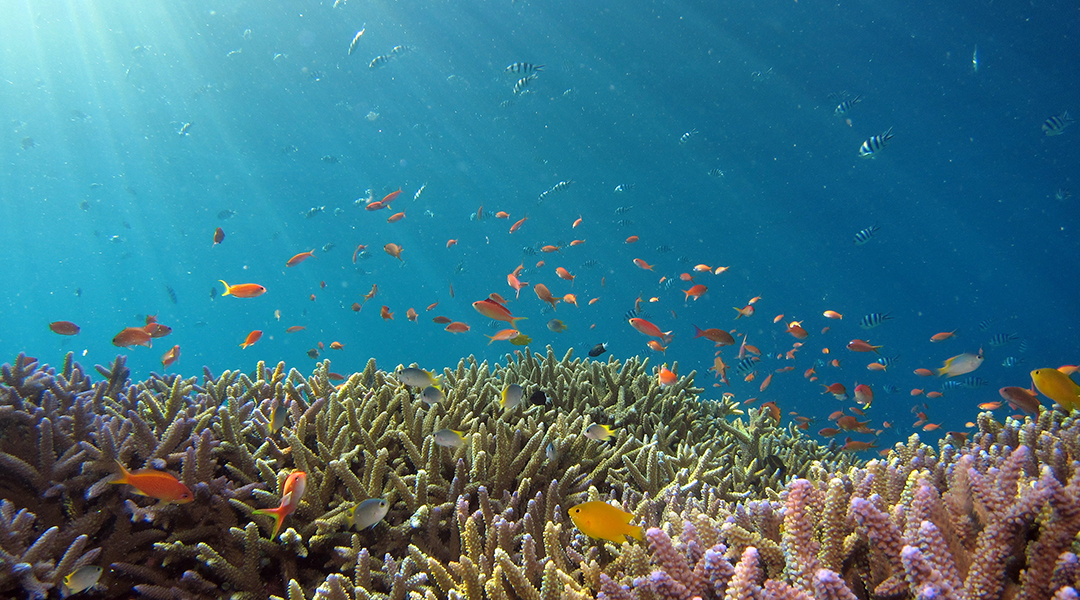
<point>514,320</point>
<point>124,474</point>
<point>636,533</point>
<point>698,332</point>
<point>277,513</point>
<point>666,337</point>
<point>226,292</point>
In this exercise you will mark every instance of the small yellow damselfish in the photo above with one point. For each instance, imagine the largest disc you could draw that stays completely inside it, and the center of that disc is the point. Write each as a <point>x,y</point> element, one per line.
<point>602,520</point>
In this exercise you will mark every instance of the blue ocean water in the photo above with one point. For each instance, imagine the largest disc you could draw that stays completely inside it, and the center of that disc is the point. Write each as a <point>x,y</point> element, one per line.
<point>133,129</point>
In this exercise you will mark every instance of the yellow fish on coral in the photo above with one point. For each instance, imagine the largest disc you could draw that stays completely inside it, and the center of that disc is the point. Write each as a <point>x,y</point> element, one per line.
<point>1058,387</point>
<point>604,521</point>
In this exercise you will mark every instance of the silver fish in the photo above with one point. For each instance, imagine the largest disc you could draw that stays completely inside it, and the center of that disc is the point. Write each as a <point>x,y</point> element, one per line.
<point>449,438</point>
<point>368,513</point>
<point>432,395</point>
<point>356,38</point>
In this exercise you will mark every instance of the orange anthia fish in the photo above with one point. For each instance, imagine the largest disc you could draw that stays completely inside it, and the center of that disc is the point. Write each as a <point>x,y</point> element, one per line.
<point>576,223</point>
<point>631,239</point>
<point>550,248</point>
<point>714,335</point>
<point>543,293</point>
<point>377,205</point>
<point>518,225</point>
<point>564,274</point>
<point>394,218</point>
<point>502,214</point>
<point>746,311</point>
<point>64,327</point>
<point>570,299</point>
<point>393,250</point>
<point>642,264</point>
<point>295,328</point>
<point>164,487</point>
<point>170,357</point>
<point>593,301</point>
<point>513,281</point>
<point>411,314</point>
<point>944,335</point>
<point>441,320</point>
<point>457,327</point>
<point>832,314</point>
<point>390,197</point>
<point>862,346</point>
<point>765,384</point>
<point>665,377</point>
<point>656,346</point>
<point>243,290</point>
<point>251,338</point>
<point>450,243</point>
<point>299,258</point>
<point>386,314</point>
<point>576,242</point>
<point>133,336</point>
<point>651,330</point>
<point>497,298</point>
<point>493,310</point>
<point>291,494</point>
<point>795,329</point>
<point>695,291</point>
<point>431,306</point>
<point>503,335</point>
<point>336,345</point>
<point>360,248</point>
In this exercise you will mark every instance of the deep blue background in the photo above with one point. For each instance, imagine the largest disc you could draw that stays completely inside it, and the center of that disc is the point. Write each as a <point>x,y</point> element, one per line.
<point>964,194</point>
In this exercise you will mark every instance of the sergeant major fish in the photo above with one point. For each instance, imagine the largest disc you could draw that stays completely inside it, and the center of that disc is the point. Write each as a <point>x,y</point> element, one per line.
<point>874,144</point>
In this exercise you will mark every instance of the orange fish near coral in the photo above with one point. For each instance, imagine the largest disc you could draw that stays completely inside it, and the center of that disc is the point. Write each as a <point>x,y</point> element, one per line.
<point>299,258</point>
<point>291,494</point>
<point>132,336</point>
<point>243,290</point>
<point>162,486</point>
<point>601,520</point>
<point>650,329</point>
<point>170,357</point>
<point>251,338</point>
<point>64,327</point>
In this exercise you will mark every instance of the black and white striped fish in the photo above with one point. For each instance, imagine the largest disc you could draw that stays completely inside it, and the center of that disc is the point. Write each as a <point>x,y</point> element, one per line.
<point>971,381</point>
<point>523,83</point>
<point>664,248</point>
<point>592,262</point>
<point>872,320</point>
<point>624,187</point>
<point>1056,124</point>
<point>1002,339</point>
<point>846,105</point>
<point>1023,347</point>
<point>864,236</point>
<point>985,324</point>
<point>523,67</point>
<point>746,365</point>
<point>686,136</point>
<point>716,173</point>
<point>623,210</point>
<point>380,61</point>
<point>624,222</point>
<point>889,361</point>
<point>874,144</point>
<point>1011,361</point>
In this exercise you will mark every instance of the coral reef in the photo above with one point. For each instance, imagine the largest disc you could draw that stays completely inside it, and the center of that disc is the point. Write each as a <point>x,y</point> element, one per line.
<point>735,506</point>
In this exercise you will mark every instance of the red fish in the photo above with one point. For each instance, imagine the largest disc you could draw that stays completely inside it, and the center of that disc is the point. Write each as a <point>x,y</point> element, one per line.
<point>862,346</point>
<point>631,239</point>
<point>291,494</point>
<point>863,394</point>
<point>251,338</point>
<point>457,327</point>
<point>132,336</point>
<point>665,377</point>
<point>164,487</point>
<point>390,197</point>
<point>651,330</point>
<point>394,218</point>
<point>837,390</point>
<point>299,258</point>
<point>517,225</point>
<point>716,335</point>
<point>564,274</point>
<point>64,327</point>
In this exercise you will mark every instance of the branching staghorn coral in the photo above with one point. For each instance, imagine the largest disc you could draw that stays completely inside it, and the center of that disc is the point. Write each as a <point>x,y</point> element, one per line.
<point>487,520</point>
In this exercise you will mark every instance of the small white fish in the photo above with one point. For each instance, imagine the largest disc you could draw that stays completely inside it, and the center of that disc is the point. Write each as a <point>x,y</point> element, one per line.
<point>961,364</point>
<point>367,513</point>
<point>511,396</point>
<point>449,438</point>
<point>432,395</point>
<point>356,38</point>
<point>414,377</point>
<point>551,452</point>
<point>81,580</point>
<point>599,432</point>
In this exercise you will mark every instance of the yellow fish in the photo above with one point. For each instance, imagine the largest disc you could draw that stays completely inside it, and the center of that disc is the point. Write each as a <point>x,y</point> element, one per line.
<point>604,521</point>
<point>1058,387</point>
<point>521,340</point>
